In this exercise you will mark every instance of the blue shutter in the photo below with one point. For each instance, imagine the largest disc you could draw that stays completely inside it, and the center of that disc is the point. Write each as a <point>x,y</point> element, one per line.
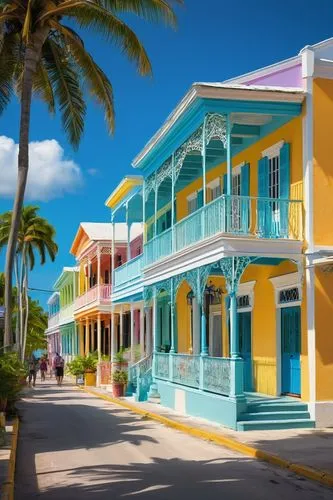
<point>224,182</point>
<point>200,199</point>
<point>245,203</point>
<point>264,212</point>
<point>284,189</point>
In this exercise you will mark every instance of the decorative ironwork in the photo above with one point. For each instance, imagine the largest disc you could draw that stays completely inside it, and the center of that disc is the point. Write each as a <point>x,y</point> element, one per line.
<point>186,369</point>
<point>163,172</point>
<point>216,128</point>
<point>161,286</point>
<point>147,294</point>
<point>216,375</point>
<point>150,184</point>
<point>106,250</point>
<point>161,365</point>
<point>232,268</point>
<point>289,295</point>
<point>193,143</point>
<point>190,277</point>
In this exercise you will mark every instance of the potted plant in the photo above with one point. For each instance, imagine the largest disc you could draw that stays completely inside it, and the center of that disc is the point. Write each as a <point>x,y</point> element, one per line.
<point>119,361</point>
<point>90,368</point>
<point>119,380</point>
<point>76,369</point>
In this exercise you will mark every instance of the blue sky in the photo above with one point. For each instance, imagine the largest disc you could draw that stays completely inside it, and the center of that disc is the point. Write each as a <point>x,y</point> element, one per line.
<point>215,40</point>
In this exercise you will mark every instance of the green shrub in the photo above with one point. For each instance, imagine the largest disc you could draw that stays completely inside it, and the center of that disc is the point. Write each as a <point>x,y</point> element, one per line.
<point>12,371</point>
<point>120,377</point>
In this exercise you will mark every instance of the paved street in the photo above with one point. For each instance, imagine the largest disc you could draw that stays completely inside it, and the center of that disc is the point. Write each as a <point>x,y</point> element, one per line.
<point>73,445</point>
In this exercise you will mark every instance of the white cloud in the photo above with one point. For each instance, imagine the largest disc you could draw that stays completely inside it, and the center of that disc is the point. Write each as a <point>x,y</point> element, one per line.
<point>50,174</point>
<point>92,171</point>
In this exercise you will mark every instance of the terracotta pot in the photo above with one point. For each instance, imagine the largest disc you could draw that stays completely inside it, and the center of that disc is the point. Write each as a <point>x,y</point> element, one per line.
<point>90,379</point>
<point>118,389</point>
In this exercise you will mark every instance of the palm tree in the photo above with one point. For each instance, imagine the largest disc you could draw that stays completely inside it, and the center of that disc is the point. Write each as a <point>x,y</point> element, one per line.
<point>40,53</point>
<point>35,235</point>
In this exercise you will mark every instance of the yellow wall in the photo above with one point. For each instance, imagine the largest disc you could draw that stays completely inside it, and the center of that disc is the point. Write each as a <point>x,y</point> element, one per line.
<point>324,334</point>
<point>291,133</point>
<point>263,326</point>
<point>322,161</point>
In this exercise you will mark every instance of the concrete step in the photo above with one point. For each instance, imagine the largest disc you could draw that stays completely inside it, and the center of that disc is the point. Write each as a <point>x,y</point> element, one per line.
<point>274,406</point>
<point>264,425</point>
<point>275,415</point>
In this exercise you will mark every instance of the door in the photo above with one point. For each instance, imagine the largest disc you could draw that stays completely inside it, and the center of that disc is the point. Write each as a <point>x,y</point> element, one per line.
<point>291,348</point>
<point>245,347</point>
<point>215,334</point>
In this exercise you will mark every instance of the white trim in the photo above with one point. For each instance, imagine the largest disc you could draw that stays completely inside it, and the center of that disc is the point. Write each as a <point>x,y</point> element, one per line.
<point>214,183</point>
<point>286,282</point>
<point>192,196</point>
<point>272,151</point>
<point>246,288</point>
<point>237,169</point>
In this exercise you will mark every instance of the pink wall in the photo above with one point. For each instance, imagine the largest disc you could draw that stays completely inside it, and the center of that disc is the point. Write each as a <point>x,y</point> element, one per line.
<point>136,246</point>
<point>289,77</point>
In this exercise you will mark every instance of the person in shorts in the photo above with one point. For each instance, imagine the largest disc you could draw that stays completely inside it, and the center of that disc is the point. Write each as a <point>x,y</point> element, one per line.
<point>33,367</point>
<point>43,369</point>
<point>59,368</point>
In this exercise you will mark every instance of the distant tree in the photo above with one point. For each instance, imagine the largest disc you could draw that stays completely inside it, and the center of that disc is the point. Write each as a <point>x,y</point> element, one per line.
<point>41,53</point>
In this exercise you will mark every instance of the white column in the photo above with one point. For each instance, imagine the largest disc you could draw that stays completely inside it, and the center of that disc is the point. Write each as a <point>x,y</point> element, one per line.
<point>148,330</point>
<point>121,327</point>
<point>99,350</point>
<point>203,153</point>
<point>98,273</point>
<point>142,331</point>
<point>132,334</point>
<point>113,335</point>
<point>112,253</point>
<point>229,163</point>
<point>173,204</point>
<point>155,213</point>
<point>128,234</point>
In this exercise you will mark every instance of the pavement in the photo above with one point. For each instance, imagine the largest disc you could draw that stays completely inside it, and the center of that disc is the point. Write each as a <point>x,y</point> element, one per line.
<point>74,445</point>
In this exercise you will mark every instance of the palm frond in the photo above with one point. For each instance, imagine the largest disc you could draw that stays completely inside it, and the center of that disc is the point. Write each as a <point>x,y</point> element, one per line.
<point>42,86</point>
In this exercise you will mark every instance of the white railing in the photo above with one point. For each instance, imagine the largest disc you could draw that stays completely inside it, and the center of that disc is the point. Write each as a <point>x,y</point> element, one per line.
<point>94,294</point>
<point>53,320</point>
<point>66,313</point>
<point>128,272</point>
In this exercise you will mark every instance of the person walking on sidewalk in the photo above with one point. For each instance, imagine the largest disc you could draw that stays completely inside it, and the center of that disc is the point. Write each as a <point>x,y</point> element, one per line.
<point>59,368</point>
<point>43,369</point>
<point>33,367</point>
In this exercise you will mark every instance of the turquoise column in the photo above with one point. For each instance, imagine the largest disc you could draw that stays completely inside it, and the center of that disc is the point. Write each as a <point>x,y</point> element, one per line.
<point>204,347</point>
<point>172,319</point>
<point>153,391</point>
<point>234,334</point>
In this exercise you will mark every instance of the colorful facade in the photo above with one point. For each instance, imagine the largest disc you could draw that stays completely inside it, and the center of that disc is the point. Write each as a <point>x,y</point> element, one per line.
<point>53,331</point>
<point>229,292</point>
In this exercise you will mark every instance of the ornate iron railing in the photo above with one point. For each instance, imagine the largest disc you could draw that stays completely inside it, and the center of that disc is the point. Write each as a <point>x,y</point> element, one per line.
<point>140,368</point>
<point>217,375</point>
<point>233,215</point>
<point>162,367</point>
<point>186,369</point>
<point>128,272</point>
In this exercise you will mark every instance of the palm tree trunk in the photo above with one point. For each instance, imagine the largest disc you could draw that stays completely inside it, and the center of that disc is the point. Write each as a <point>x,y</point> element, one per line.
<point>32,55</point>
<point>26,309</point>
<point>18,303</point>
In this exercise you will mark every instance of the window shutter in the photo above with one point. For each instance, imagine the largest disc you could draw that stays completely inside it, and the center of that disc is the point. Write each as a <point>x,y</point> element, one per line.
<point>225,182</point>
<point>200,199</point>
<point>263,211</point>
<point>245,203</point>
<point>285,172</point>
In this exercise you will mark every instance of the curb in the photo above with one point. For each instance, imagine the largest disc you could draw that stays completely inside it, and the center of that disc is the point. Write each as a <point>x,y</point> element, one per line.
<point>301,470</point>
<point>8,486</point>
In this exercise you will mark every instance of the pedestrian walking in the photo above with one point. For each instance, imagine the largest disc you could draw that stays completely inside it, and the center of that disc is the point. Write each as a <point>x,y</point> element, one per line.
<point>43,369</point>
<point>33,367</point>
<point>59,368</point>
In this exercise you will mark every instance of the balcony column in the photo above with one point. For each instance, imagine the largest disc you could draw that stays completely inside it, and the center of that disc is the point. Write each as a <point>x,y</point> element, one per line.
<point>87,346</point>
<point>172,317</point>
<point>121,318</point>
<point>112,252</point>
<point>114,323</point>
<point>173,181</point>
<point>142,332</point>
<point>148,330</point>
<point>132,335</point>
<point>81,339</point>
<point>234,334</point>
<point>92,336</point>
<point>98,273</point>
<point>229,158</point>
<point>155,208</point>
<point>128,224</point>
<point>153,391</point>
<point>195,326</point>
<point>99,350</point>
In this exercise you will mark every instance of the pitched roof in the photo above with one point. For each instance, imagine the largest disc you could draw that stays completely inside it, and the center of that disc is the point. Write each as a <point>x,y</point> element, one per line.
<point>102,231</point>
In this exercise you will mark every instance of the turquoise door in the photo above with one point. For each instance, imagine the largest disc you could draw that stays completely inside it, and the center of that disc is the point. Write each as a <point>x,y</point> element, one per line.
<point>291,348</point>
<point>245,349</point>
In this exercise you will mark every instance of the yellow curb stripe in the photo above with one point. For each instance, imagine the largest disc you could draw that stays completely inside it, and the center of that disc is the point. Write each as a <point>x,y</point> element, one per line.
<point>301,470</point>
<point>8,487</point>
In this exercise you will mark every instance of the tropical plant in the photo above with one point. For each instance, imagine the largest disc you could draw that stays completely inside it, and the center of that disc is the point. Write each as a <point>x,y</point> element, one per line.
<point>120,377</point>
<point>11,372</point>
<point>35,235</point>
<point>119,356</point>
<point>75,367</point>
<point>41,53</point>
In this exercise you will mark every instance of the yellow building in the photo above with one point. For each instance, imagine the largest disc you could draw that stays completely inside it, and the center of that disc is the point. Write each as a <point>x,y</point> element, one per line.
<point>238,250</point>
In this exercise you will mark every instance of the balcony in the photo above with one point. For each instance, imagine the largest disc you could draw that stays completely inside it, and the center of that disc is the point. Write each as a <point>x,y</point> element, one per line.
<point>66,314</point>
<point>100,294</point>
<point>53,320</point>
<point>128,277</point>
<point>244,216</point>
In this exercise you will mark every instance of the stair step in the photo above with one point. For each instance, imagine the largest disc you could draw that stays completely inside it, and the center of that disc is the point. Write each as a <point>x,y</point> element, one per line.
<point>275,415</point>
<point>266,407</point>
<point>257,425</point>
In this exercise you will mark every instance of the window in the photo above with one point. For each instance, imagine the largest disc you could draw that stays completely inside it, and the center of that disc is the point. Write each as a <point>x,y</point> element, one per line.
<point>236,183</point>
<point>213,189</point>
<point>289,295</point>
<point>274,177</point>
<point>243,301</point>
<point>192,203</point>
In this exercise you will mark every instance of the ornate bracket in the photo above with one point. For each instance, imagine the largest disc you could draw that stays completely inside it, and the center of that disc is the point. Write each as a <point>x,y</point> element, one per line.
<point>232,269</point>
<point>216,128</point>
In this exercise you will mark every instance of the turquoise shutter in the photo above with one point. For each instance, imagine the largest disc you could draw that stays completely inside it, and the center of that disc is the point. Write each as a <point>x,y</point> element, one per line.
<point>245,203</point>
<point>264,212</point>
<point>284,189</point>
<point>224,182</point>
<point>200,199</point>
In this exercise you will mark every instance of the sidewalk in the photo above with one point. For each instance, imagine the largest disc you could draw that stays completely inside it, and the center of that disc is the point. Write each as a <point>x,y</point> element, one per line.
<point>312,448</point>
<point>5,450</point>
